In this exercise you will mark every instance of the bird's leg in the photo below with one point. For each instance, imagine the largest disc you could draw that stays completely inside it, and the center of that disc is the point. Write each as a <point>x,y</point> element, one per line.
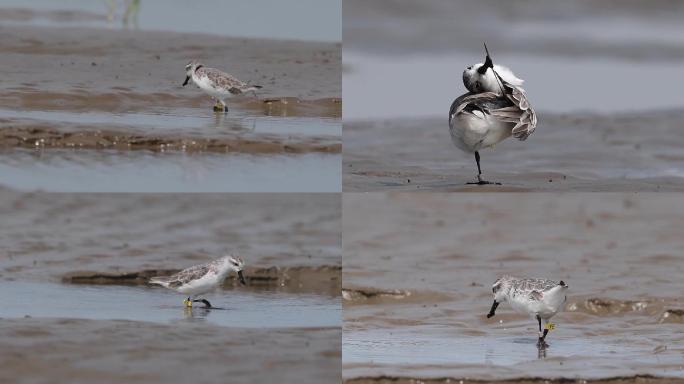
<point>542,335</point>
<point>480,181</point>
<point>218,107</point>
<point>493,309</point>
<point>188,302</point>
<point>539,321</point>
<point>206,302</point>
<point>548,326</point>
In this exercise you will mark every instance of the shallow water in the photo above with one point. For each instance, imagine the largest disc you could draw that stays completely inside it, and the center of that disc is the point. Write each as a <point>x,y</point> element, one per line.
<point>188,121</point>
<point>260,19</point>
<point>508,352</point>
<point>241,308</point>
<point>66,170</point>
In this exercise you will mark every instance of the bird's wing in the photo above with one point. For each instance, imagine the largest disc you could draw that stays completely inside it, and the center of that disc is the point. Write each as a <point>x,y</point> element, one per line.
<point>187,275</point>
<point>223,79</point>
<point>536,295</point>
<point>471,102</point>
<point>526,121</point>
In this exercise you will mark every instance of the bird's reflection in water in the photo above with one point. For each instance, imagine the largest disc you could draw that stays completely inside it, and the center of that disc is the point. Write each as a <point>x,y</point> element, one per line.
<point>491,354</point>
<point>234,124</point>
<point>196,313</point>
<point>541,351</point>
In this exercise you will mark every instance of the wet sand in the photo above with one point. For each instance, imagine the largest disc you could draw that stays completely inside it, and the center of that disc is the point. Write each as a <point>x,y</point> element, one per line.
<point>418,269</point>
<point>585,152</point>
<point>48,135</point>
<point>117,351</point>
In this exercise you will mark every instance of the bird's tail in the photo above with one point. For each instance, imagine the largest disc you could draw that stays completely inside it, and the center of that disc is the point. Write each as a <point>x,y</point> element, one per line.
<point>159,280</point>
<point>253,88</point>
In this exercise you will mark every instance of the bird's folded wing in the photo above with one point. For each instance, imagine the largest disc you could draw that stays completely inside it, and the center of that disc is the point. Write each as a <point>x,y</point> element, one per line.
<point>187,275</point>
<point>527,119</point>
<point>466,103</point>
<point>223,79</point>
<point>536,296</point>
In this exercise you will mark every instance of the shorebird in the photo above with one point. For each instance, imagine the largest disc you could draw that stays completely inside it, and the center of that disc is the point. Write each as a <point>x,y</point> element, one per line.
<point>202,278</point>
<point>217,84</point>
<point>494,108</point>
<point>539,298</point>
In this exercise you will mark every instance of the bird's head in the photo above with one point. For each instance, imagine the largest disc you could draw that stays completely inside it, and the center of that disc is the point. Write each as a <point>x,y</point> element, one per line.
<point>501,287</point>
<point>190,68</point>
<point>482,77</point>
<point>236,264</point>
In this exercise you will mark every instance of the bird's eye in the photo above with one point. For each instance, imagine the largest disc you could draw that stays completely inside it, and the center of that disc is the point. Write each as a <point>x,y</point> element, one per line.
<point>471,67</point>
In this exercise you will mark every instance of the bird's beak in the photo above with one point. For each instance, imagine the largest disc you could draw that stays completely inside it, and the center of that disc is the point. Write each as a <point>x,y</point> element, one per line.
<point>487,64</point>
<point>187,78</point>
<point>241,278</point>
<point>493,309</point>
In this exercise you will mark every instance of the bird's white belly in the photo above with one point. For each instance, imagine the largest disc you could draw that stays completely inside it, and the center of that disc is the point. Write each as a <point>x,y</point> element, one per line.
<point>206,284</point>
<point>543,308</point>
<point>471,133</point>
<point>207,86</point>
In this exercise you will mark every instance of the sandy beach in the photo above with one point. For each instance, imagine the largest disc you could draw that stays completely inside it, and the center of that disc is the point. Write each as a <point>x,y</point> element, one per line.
<point>418,269</point>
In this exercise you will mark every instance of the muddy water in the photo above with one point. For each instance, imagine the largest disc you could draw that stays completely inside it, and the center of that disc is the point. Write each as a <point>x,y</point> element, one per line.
<point>418,271</point>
